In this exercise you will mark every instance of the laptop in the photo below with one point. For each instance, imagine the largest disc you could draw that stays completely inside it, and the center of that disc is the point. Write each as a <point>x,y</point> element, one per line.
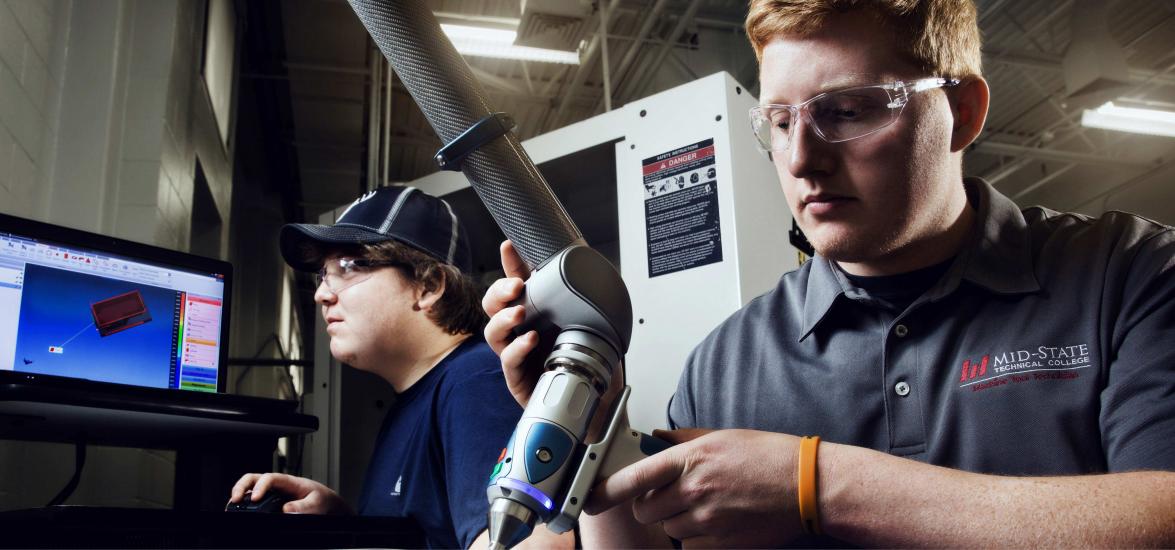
<point>80,305</point>
<point>106,336</point>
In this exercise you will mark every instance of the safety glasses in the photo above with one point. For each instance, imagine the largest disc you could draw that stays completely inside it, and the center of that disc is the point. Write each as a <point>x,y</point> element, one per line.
<point>340,274</point>
<point>840,115</point>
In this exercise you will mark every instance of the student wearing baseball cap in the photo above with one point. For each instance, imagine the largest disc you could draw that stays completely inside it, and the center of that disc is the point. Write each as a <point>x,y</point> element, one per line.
<point>395,291</point>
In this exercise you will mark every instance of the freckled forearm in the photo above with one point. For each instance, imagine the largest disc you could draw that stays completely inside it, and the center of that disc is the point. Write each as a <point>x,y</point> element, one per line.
<point>868,497</point>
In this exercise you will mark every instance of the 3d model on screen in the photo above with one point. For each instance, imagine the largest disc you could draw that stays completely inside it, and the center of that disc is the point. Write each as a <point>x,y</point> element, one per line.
<point>111,315</point>
<point>118,313</point>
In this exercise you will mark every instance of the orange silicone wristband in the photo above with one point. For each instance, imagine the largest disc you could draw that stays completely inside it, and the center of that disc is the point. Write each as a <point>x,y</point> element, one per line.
<point>806,486</point>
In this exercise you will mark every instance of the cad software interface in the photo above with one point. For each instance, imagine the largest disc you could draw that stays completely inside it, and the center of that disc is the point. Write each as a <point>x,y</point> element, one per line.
<point>67,311</point>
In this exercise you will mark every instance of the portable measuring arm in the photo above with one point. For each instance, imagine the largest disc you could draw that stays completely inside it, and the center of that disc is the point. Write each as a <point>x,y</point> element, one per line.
<point>573,294</point>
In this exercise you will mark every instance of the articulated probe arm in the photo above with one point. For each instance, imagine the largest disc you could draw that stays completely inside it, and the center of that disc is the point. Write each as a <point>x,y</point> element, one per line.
<point>452,100</point>
<point>573,291</point>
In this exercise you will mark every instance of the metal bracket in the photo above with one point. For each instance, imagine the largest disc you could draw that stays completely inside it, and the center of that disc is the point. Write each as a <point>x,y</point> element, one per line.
<point>482,132</point>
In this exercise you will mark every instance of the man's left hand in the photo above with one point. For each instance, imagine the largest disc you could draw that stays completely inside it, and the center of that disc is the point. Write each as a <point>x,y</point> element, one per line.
<point>714,489</point>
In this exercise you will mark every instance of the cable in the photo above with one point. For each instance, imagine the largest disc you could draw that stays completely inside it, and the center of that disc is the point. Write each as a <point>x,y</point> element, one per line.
<point>79,461</point>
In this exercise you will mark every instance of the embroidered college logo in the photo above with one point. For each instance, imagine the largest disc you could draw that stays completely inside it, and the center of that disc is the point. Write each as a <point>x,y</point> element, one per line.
<point>1023,365</point>
<point>973,370</point>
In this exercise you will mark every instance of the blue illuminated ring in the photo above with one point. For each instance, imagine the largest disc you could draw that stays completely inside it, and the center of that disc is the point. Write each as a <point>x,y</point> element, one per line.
<point>529,489</point>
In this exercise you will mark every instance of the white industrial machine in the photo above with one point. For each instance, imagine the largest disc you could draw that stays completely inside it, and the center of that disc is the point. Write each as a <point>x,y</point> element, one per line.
<point>700,217</point>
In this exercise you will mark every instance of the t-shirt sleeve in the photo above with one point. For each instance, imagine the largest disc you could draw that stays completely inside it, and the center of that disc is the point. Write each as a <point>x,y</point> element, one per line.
<point>477,419</point>
<point>680,410</point>
<point>1138,403</point>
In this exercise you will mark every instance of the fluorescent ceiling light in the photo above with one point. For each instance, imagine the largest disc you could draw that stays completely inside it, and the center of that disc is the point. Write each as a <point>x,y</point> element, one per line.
<point>499,44</point>
<point>1128,119</point>
<point>479,34</point>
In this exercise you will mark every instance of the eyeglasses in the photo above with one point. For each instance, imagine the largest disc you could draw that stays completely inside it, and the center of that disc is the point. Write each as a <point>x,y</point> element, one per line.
<point>340,274</point>
<point>840,115</point>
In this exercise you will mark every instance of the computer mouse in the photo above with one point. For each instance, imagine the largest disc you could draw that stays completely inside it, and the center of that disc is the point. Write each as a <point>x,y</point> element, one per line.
<point>269,503</point>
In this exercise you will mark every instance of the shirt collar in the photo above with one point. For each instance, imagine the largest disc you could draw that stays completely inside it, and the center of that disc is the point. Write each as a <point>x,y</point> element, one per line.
<point>997,256</point>
<point>426,380</point>
<point>825,284</point>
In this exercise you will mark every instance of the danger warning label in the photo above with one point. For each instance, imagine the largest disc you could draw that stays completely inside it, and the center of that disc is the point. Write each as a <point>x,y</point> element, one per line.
<point>681,209</point>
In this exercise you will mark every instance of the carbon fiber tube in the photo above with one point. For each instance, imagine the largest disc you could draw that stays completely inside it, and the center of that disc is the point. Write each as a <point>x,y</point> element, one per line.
<point>501,172</point>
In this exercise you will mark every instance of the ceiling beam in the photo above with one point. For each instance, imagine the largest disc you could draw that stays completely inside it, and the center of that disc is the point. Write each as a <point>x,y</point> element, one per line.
<point>686,18</point>
<point>1051,99</point>
<point>514,90</point>
<point>990,9</point>
<point>1043,181</point>
<point>581,72</point>
<point>625,62</point>
<point>1052,63</point>
<point>503,84</point>
<point>1056,155</point>
<point>1106,195</point>
<point>526,76</point>
<point>1006,171</point>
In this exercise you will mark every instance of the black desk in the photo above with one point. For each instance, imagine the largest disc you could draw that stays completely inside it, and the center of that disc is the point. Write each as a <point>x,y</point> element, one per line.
<point>84,527</point>
<point>217,437</point>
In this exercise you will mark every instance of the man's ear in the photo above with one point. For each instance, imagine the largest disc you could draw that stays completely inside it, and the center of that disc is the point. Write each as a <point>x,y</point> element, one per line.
<point>969,103</point>
<point>427,295</point>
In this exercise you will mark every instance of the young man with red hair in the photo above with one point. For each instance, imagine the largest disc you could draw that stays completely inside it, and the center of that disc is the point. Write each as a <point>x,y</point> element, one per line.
<point>979,374</point>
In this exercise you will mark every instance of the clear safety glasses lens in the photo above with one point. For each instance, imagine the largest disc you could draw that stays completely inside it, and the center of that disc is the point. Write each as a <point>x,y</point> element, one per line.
<point>838,116</point>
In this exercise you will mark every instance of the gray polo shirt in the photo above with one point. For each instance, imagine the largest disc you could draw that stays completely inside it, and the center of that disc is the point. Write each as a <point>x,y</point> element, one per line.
<point>1048,347</point>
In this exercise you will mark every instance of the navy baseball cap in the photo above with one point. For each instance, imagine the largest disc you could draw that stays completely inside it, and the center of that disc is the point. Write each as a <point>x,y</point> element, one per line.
<point>404,214</point>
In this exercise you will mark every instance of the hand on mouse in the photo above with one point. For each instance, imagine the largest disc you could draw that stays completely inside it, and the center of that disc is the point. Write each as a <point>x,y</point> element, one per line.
<point>306,495</point>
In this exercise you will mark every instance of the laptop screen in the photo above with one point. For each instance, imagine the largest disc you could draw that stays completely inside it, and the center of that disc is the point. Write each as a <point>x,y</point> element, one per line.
<point>81,305</point>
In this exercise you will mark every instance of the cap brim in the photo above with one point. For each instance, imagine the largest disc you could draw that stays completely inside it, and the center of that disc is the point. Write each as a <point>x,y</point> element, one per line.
<point>298,239</point>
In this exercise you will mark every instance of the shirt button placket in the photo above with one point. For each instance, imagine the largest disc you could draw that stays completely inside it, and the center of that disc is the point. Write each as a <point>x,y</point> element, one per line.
<point>901,388</point>
<point>906,425</point>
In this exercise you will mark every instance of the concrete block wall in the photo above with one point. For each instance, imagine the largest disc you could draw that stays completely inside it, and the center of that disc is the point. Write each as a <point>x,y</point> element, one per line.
<point>103,116</point>
<point>28,93</point>
<point>30,83</point>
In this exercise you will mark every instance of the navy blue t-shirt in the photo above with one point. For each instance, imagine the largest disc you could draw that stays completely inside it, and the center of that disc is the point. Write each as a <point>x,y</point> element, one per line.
<point>438,445</point>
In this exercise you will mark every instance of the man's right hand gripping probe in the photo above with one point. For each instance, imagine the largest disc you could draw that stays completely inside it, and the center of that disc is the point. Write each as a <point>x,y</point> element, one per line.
<point>547,468</point>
